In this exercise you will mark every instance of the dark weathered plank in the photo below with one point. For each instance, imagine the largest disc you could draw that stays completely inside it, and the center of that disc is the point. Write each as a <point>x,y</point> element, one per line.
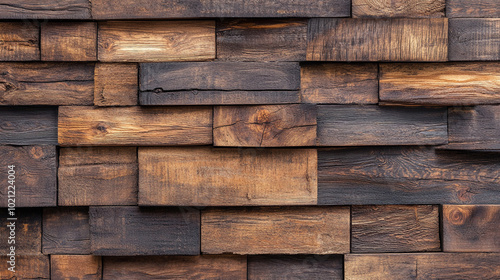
<point>69,41</point>
<point>66,230</point>
<point>130,231</point>
<point>63,267</point>
<point>395,228</point>
<point>377,39</point>
<point>35,175</point>
<point>474,39</point>
<point>407,175</point>
<point>451,84</point>
<point>27,239</point>
<point>341,125</point>
<point>468,9</point>
<point>26,267</point>
<point>471,228</point>
<point>46,84</point>
<point>339,83</point>
<point>45,9</point>
<point>134,126</point>
<point>116,84</point>
<point>28,125</point>
<point>265,126</point>
<point>262,40</point>
<point>268,230</point>
<point>19,41</point>
<point>223,267</point>
<point>206,176</point>
<point>398,8</point>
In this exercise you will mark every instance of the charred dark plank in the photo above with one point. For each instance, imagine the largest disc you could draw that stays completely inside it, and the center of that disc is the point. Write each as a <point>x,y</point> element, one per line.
<point>66,230</point>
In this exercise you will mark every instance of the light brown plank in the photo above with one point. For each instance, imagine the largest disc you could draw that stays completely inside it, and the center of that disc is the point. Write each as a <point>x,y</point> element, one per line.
<point>116,84</point>
<point>19,41</point>
<point>69,41</point>
<point>398,8</point>
<point>64,267</point>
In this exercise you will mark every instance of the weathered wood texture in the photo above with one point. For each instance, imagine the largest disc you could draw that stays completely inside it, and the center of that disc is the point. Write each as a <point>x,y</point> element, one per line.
<point>156,41</point>
<point>451,84</point>
<point>28,125</point>
<point>36,175</point>
<point>97,176</point>
<point>27,267</point>
<point>130,231</point>
<point>340,125</point>
<point>422,266</point>
<point>295,267</point>
<point>377,39</point>
<point>262,40</point>
<point>66,230</point>
<point>407,175</point>
<point>265,126</point>
<point>398,8</point>
<point>471,228</point>
<point>46,84</point>
<point>69,41</point>
<point>116,84</point>
<point>64,267</point>
<point>395,228</point>
<point>474,39</point>
<point>134,126</point>
<point>339,83</point>
<point>28,231</point>
<point>304,230</point>
<point>19,41</point>
<point>223,267</point>
<point>468,9</point>
<point>45,9</point>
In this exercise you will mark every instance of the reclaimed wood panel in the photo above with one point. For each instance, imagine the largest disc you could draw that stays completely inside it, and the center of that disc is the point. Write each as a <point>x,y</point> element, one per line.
<point>346,125</point>
<point>116,84</point>
<point>28,231</point>
<point>339,83</point>
<point>134,126</point>
<point>395,228</point>
<point>86,267</point>
<point>405,39</point>
<point>66,231</point>
<point>28,125</point>
<point>398,8</point>
<point>45,9</point>
<point>471,228</point>
<point>69,41</point>
<point>206,176</point>
<point>20,41</point>
<point>474,39</point>
<point>156,41</point>
<point>265,126</point>
<point>472,9</point>
<point>261,230</point>
<point>26,267</point>
<point>130,231</point>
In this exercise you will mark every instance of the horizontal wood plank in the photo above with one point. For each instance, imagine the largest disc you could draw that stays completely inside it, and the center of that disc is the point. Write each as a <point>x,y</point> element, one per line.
<point>69,41</point>
<point>116,84</point>
<point>20,41</point>
<point>398,8</point>
<point>472,9</point>
<point>26,267</point>
<point>474,39</point>
<point>27,236</point>
<point>86,267</point>
<point>45,9</point>
<point>28,125</point>
<point>66,231</point>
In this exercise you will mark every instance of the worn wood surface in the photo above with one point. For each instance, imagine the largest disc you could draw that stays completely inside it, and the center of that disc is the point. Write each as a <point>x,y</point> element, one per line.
<point>28,125</point>
<point>156,41</point>
<point>395,228</point>
<point>27,267</point>
<point>134,126</point>
<point>304,230</point>
<point>339,83</point>
<point>116,84</point>
<point>69,41</point>
<point>45,9</point>
<point>19,41</point>
<point>472,9</point>
<point>66,231</point>
<point>341,125</point>
<point>64,267</point>
<point>398,8</point>
<point>474,39</point>
<point>404,39</point>
<point>130,231</point>
<point>28,231</point>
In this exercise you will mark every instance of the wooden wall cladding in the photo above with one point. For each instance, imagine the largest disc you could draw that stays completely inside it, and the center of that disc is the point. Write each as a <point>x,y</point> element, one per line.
<point>75,267</point>
<point>116,84</point>
<point>66,231</point>
<point>20,41</point>
<point>474,39</point>
<point>398,8</point>
<point>28,232</point>
<point>69,41</point>
<point>472,9</point>
<point>38,267</point>
<point>45,9</point>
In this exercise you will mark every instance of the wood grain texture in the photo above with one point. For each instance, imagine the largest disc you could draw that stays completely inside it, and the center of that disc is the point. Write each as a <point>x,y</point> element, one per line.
<point>66,231</point>
<point>36,175</point>
<point>63,267</point>
<point>46,84</point>
<point>265,126</point>
<point>207,176</point>
<point>28,231</point>
<point>451,84</point>
<point>134,126</point>
<point>471,228</point>
<point>156,41</point>
<point>131,231</point>
<point>97,176</point>
<point>472,9</point>
<point>69,41</point>
<point>45,9</point>
<point>345,125</point>
<point>422,266</point>
<point>262,40</point>
<point>395,228</point>
<point>398,8</point>
<point>304,230</point>
<point>27,267</point>
<point>339,83</point>
<point>116,84</point>
<point>223,267</point>
<point>407,175</point>
<point>28,125</point>
<point>405,39</point>
<point>474,39</point>
<point>19,41</point>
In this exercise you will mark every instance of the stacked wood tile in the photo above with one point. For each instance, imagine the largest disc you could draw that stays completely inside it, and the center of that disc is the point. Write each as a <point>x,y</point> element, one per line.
<point>245,139</point>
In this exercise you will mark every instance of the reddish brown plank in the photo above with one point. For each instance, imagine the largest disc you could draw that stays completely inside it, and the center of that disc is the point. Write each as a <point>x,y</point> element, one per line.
<point>63,267</point>
<point>398,8</point>
<point>69,41</point>
<point>20,41</point>
<point>116,84</point>
<point>472,9</point>
<point>45,9</point>
<point>26,267</point>
<point>66,230</point>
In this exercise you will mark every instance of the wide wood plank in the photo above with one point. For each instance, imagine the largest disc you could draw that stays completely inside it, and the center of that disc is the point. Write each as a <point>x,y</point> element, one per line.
<point>116,84</point>
<point>398,8</point>
<point>27,239</point>
<point>377,40</point>
<point>28,125</point>
<point>86,267</point>
<point>134,126</point>
<point>469,9</point>
<point>474,39</point>
<point>45,9</point>
<point>304,230</point>
<point>26,267</point>
<point>20,41</point>
<point>66,230</point>
<point>207,176</point>
<point>69,41</point>
<point>341,125</point>
<point>156,41</point>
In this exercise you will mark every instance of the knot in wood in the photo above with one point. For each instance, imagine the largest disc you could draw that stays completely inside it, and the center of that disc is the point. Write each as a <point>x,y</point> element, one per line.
<point>458,216</point>
<point>102,127</point>
<point>263,116</point>
<point>36,152</point>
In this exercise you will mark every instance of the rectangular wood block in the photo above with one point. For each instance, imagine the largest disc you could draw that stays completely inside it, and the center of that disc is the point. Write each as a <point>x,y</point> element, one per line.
<point>98,176</point>
<point>398,8</point>
<point>69,41</point>
<point>28,231</point>
<point>131,231</point>
<point>474,39</point>
<point>286,230</point>
<point>339,83</point>
<point>341,125</point>
<point>472,9</point>
<point>134,126</point>
<point>404,39</point>
<point>45,9</point>
<point>19,41</point>
<point>204,176</point>
<point>35,175</point>
<point>265,126</point>
<point>451,84</point>
<point>116,84</point>
<point>156,41</point>
<point>75,267</point>
<point>471,228</point>
<point>27,267</point>
<point>28,125</point>
<point>66,231</point>
<point>395,228</point>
